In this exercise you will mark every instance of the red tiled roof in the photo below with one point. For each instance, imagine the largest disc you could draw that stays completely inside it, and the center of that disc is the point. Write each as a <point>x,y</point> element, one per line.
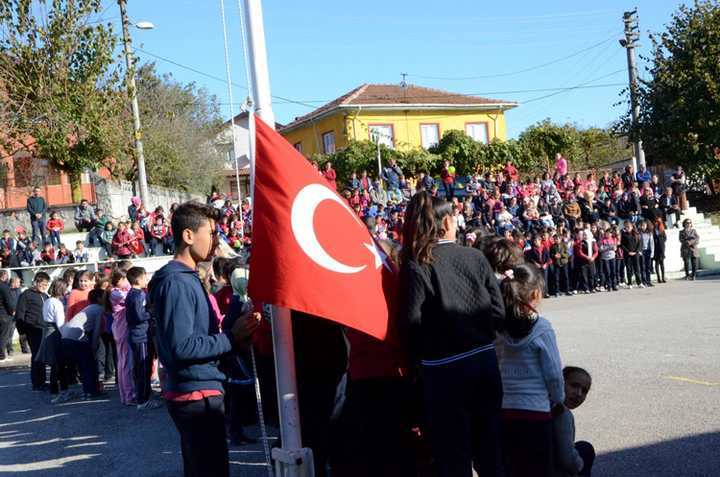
<point>393,94</point>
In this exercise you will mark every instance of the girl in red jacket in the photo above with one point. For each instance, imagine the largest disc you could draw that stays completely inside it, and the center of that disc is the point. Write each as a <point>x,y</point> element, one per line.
<point>55,225</point>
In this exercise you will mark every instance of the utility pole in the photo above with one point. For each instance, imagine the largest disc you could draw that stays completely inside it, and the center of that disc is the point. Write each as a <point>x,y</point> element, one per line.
<point>632,34</point>
<point>132,90</point>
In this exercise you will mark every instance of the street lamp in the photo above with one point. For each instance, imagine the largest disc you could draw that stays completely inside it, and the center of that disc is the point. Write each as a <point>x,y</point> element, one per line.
<point>132,90</point>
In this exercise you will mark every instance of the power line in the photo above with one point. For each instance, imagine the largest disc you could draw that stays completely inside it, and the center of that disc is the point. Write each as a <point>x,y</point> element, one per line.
<point>524,70</point>
<point>572,88</point>
<point>216,78</point>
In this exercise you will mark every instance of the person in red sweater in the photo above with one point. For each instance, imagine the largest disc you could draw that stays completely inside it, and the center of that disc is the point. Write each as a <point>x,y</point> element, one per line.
<point>330,175</point>
<point>47,256</point>
<point>55,225</point>
<point>447,176</point>
<point>511,171</point>
<point>158,232</point>
<point>121,241</point>
<point>585,252</point>
<point>539,256</point>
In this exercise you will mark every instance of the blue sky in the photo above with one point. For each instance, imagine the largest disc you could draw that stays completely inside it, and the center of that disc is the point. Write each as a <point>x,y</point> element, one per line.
<point>321,49</point>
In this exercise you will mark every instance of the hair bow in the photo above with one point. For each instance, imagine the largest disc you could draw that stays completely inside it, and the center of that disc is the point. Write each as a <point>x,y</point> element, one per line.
<point>509,274</point>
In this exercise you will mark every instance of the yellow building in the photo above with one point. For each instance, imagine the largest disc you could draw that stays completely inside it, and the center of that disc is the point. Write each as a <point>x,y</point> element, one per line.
<point>400,117</point>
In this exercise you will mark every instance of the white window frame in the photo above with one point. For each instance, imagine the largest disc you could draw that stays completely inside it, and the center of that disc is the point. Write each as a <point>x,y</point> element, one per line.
<point>471,128</point>
<point>385,138</point>
<point>328,140</point>
<point>429,143</point>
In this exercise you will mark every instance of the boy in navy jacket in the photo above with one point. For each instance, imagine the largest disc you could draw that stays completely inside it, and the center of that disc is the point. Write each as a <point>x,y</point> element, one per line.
<point>187,348</point>
<point>138,321</point>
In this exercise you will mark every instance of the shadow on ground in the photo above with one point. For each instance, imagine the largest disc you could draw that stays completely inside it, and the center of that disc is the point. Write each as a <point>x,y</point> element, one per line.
<point>692,456</point>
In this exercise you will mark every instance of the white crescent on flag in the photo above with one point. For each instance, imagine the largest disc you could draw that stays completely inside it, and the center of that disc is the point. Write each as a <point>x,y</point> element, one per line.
<point>301,219</point>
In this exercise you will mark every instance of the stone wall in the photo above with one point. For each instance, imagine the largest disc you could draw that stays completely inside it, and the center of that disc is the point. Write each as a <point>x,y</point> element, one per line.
<point>115,196</point>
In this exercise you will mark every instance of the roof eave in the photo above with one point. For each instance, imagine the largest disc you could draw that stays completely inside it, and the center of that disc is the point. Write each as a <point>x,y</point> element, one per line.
<point>503,106</point>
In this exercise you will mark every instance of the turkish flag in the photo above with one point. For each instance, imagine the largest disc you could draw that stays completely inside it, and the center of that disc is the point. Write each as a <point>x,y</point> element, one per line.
<point>310,251</point>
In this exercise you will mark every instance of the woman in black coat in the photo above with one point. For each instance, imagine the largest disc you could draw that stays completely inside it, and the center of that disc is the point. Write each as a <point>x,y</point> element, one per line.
<point>659,255</point>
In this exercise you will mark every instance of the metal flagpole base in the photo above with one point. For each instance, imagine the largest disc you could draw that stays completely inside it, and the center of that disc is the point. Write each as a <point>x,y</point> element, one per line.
<point>293,462</point>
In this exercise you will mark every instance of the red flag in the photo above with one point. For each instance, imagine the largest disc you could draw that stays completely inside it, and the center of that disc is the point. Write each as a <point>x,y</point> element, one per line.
<point>310,251</point>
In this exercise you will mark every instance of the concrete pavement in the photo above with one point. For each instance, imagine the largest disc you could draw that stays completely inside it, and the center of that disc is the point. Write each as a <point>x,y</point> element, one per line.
<point>654,408</point>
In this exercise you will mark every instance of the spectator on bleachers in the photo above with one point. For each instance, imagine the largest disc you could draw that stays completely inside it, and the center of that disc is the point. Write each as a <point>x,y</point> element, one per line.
<point>95,235</point>
<point>135,204</point>
<point>80,254</point>
<point>106,238</point>
<point>63,255</point>
<point>55,225</point>
<point>37,209</point>
<point>84,217</point>
<point>121,242</point>
<point>47,256</point>
<point>158,232</point>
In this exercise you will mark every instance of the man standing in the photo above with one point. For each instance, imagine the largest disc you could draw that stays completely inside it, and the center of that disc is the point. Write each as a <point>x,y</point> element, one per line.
<point>37,209</point>
<point>189,343</point>
<point>561,165</point>
<point>7,310</point>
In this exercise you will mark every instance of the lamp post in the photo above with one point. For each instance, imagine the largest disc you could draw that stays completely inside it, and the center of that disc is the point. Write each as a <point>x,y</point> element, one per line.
<point>132,90</point>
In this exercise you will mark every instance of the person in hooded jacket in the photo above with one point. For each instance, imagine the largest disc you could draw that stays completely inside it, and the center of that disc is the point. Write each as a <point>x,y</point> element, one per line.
<point>189,343</point>
<point>531,370</point>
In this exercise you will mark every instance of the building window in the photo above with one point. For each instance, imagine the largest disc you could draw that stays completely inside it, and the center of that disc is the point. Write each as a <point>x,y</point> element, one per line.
<point>23,170</point>
<point>429,135</point>
<point>382,133</point>
<point>477,131</point>
<point>298,146</point>
<point>328,142</point>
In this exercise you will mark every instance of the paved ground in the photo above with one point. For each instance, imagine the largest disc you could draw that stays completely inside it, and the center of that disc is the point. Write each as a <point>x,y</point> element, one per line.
<point>654,409</point>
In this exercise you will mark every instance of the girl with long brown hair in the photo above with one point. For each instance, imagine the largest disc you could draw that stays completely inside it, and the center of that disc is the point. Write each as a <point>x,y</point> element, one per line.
<point>451,310</point>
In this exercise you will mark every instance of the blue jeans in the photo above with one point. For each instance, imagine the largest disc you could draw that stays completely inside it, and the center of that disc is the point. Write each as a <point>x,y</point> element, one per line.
<point>38,228</point>
<point>609,273</point>
<point>55,238</point>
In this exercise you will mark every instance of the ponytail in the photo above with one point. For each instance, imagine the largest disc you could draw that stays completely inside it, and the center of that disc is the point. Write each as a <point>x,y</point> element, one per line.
<point>423,226</point>
<point>517,289</point>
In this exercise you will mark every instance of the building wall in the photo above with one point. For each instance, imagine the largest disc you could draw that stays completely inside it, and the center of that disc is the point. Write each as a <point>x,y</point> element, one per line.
<point>406,124</point>
<point>406,127</point>
<point>310,134</point>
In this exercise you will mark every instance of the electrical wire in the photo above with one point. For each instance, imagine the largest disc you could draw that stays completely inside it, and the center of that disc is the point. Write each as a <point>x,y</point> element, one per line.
<point>517,72</point>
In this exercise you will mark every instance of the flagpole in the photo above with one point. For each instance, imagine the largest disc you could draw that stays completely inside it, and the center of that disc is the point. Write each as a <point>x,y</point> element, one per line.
<point>291,459</point>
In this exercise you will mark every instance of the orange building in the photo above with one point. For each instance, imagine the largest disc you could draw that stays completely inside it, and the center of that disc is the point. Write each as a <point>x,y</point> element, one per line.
<point>21,171</point>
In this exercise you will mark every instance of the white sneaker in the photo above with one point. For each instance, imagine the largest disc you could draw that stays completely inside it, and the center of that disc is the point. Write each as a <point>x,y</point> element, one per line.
<point>642,285</point>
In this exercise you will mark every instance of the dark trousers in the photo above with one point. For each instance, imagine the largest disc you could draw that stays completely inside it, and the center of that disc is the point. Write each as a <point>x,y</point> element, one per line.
<point>201,425</point>
<point>561,272</point>
<point>690,266</point>
<point>373,435</point>
<point>587,452</point>
<point>60,374</point>
<point>37,370</point>
<point>632,266</point>
<point>608,267</point>
<point>528,447</point>
<point>462,402</point>
<point>586,276</point>
<point>142,371</point>
<point>646,266</point>
<point>38,228</point>
<point>660,269</point>
<point>106,356</point>
<point>449,190</point>
<point>7,328</point>
<point>620,270</point>
<point>80,354</point>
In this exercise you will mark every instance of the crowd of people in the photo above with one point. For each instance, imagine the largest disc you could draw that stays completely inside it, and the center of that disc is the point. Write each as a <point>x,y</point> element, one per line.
<point>141,234</point>
<point>471,376</point>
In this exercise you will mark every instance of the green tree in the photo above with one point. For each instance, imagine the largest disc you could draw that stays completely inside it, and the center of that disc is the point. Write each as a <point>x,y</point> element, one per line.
<point>680,102</point>
<point>61,84</point>
<point>179,123</point>
<point>596,147</point>
<point>545,138</point>
<point>460,149</point>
